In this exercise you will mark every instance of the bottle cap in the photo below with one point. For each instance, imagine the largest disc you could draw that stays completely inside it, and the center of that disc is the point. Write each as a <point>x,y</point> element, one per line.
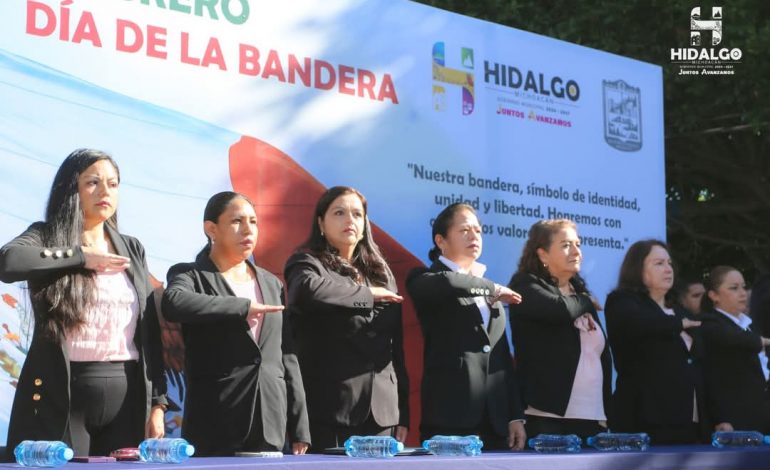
<point>188,450</point>
<point>68,454</point>
<point>590,440</point>
<point>400,446</point>
<point>766,439</point>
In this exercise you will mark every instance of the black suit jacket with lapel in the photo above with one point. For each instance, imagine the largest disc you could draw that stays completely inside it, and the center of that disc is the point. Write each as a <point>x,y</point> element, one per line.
<point>350,348</point>
<point>41,405</point>
<point>657,375</point>
<point>467,368</point>
<point>547,344</point>
<point>226,369</point>
<point>735,385</point>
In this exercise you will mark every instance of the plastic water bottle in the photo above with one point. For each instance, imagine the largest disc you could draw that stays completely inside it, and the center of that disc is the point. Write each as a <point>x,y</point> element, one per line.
<point>166,450</point>
<point>551,443</point>
<point>372,446</point>
<point>721,439</point>
<point>454,445</point>
<point>619,441</point>
<point>42,453</point>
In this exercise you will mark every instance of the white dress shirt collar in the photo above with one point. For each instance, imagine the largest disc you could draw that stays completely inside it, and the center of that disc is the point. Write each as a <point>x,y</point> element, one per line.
<point>477,269</point>
<point>742,320</point>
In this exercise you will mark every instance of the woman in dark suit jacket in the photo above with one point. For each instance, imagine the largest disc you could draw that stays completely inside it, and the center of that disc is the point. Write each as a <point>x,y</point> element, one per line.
<point>243,382</point>
<point>350,336</point>
<point>736,378</point>
<point>96,388</point>
<point>562,359</point>
<point>468,384</point>
<point>657,352</point>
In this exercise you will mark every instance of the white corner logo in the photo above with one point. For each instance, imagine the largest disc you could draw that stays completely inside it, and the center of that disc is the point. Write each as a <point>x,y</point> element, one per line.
<point>703,57</point>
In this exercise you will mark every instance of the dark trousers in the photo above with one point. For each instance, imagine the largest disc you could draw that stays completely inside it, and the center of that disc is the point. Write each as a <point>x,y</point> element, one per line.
<point>582,428</point>
<point>103,412</point>
<point>326,435</point>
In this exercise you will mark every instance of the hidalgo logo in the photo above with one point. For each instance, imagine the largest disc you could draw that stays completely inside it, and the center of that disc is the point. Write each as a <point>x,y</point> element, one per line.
<point>699,59</point>
<point>443,75</point>
<point>622,115</point>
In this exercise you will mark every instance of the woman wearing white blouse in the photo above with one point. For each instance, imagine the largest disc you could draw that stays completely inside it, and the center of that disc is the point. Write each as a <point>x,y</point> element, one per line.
<point>736,365</point>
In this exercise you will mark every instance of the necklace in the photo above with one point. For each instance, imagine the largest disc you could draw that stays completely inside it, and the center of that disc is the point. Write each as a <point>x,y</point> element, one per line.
<point>104,244</point>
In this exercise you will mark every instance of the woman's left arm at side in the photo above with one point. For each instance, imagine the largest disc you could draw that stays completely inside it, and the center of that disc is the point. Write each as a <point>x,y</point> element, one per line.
<point>297,421</point>
<point>399,365</point>
<point>153,352</point>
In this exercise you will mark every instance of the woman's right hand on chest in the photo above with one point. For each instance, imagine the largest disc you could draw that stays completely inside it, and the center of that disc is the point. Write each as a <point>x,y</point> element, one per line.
<point>101,261</point>
<point>382,294</point>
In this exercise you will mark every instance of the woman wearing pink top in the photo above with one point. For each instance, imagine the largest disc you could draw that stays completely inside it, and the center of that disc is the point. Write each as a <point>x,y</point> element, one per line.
<point>93,376</point>
<point>563,361</point>
<point>244,389</point>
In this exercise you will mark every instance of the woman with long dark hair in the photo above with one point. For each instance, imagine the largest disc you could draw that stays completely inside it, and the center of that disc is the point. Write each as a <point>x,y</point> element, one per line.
<point>735,365</point>
<point>562,360</point>
<point>468,383</point>
<point>343,300</point>
<point>244,389</point>
<point>657,352</point>
<point>93,376</point>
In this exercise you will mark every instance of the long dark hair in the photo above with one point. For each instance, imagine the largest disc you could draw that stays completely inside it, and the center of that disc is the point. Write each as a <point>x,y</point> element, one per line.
<point>631,276</point>
<point>541,236</point>
<point>216,206</point>
<point>69,293</point>
<point>443,222</point>
<point>715,279</point>
<point>366,263</point>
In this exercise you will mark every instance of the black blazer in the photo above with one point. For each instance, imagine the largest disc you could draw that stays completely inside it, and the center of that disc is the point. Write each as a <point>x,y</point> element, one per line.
<point>735,385</point>
<point>657,375</point>
<point>46,371</point>
<point>467,368</point>
<point>350,348</point>
<point>226,369</point>
<point>760,305</point>
<point>547,344</point>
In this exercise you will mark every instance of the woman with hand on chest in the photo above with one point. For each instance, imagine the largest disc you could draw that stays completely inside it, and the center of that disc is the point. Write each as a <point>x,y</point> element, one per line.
<point>657,352</point>
<point>343,300</point>
<point>93,376</point>
<point>244,389</point>
<point>735,365</point>
<point>468,384</point>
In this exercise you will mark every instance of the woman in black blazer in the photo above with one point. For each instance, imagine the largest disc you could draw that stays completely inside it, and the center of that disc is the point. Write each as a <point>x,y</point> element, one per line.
<point>735,365</point>
<point>96,387</point>
<point>468,383</point>
<point>244,389</point>
<point>657,352</point>
<point>343,301</point>
<point>562,359</point>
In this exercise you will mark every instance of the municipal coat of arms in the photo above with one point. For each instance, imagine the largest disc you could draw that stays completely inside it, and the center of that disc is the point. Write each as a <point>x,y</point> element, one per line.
<point>622,115</point>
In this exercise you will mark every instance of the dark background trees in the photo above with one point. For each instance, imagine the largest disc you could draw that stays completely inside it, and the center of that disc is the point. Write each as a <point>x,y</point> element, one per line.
<point>717,128</point>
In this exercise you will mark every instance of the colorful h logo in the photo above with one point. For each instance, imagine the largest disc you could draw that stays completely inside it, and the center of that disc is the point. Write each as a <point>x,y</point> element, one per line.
<point>714,25</point>
<point>446,75</point>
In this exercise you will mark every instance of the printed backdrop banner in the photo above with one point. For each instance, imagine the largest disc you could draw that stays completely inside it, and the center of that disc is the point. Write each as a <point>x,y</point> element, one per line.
<point>414,106</point>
